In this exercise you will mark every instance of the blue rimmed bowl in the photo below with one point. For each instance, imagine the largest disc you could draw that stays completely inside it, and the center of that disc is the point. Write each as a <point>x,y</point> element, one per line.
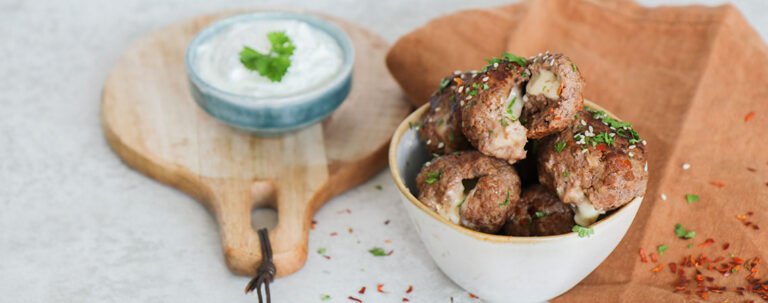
<point>269,116</point>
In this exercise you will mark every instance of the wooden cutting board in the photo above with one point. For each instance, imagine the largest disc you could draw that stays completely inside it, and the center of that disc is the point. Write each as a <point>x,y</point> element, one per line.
<point>152,123</point>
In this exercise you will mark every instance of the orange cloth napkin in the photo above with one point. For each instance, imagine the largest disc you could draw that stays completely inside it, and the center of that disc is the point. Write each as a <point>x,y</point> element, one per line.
<point>694,82</point>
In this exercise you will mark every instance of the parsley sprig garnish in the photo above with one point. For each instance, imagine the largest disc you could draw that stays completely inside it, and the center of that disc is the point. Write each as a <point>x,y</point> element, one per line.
<point>583,231</point>
<point>274,64</point>
<point>682,233</point>
<point>433,177</point>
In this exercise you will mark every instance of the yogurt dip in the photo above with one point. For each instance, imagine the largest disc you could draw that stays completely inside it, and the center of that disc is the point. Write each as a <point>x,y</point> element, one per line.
<point>316,59</point>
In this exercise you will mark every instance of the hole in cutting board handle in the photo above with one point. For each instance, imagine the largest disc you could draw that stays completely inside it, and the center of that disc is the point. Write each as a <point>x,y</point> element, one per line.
<point>264,212</point>
<point>263,217</point>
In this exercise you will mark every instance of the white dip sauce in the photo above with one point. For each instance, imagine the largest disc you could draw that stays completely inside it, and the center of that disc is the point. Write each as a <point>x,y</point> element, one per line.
<point>316,59</point>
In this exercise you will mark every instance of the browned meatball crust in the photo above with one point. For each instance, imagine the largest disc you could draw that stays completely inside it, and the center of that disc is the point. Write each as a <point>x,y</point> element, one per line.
<point>445,186</point>
<point>597,162</point>
<point>539,213</point>
<point>553,95</point>
<point>441,126</point>
<point>490,104</point>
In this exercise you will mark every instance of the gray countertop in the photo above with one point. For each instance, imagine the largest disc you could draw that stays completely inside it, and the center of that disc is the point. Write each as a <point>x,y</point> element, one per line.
<point>76,225</point>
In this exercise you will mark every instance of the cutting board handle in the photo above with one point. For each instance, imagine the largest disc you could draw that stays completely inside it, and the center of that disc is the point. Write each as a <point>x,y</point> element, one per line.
<point>233,206</point>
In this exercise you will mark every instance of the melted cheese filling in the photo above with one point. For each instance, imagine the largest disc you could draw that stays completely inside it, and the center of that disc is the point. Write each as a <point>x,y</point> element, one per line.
<point>544,83</point>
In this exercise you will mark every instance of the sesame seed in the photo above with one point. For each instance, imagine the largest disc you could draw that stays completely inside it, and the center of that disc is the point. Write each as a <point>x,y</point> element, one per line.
<point>461,89</point>
<point>440,145</point>
<point>583,122</point>
<point>429,141</point>
<point>664,197</point>
<point>485,79</point>
<point>468,97</point>
<point>632,147</point>
<point>645,142</point>
<point>437,109</point>
<point>495,65</point>
<point>461,103</point>
<point>645,168</point>
<point>591,129</point>
<point>686,166</point>
<point>612,134</point>
<point>631,154</point>
<point>456,72</point>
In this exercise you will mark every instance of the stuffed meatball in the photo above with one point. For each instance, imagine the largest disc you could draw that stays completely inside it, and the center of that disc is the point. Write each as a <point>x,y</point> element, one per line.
<point>491,105</point>
<point>539,213</point>
<point>470,189</point>
<point>552,96</point>
<point>441,127</point>
<point>597,164</point>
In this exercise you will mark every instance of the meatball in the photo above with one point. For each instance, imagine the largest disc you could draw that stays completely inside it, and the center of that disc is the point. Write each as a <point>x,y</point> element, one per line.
<point>597,164</point>
<point>470,189</point>
<point>552,96</point>
<point>491,106</point>
<point>441,127</point>
<point>539,213</point>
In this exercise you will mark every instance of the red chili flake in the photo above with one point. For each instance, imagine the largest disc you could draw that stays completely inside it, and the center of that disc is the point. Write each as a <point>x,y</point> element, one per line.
<point>355,299</point>
<point>380,288</point>
<point>406,300</point>
<point>726,245</point>
<point>749,116</point>
<point>707,242</point>
<point>362,290</point>
<point>737,260</point>
<point>346,210</point>
<point>386,222</point>
<point>333,234</point>
<point>643,257</point>
<point>601,147</point>
<point>391,252</point>
<point>755,227</point>
<point>313,225</point>
<point>658,268</point>
<point>673,267</point>
<point>749,213</point>
<point>654,258</point>
<point>409,290</point>
<point>751,169</point>
<point>327,257</point>
<point>473,296</point>
<point>717,183</point>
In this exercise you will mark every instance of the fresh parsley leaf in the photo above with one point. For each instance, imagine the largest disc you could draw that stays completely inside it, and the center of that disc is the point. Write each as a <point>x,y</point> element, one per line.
<point>445,82</point>
<point>321,251</point>
<point>682,233</point>
<point>540,214</point>
<point>509,108</point>
<point>566,174</point>
<point>433,177</point>
<point>661,249</point>
<point>274,64</point>
<point>506,201</point>
<point>691,198</point>
<point>379,187</point>
<point>583,231</point>
<point>560,146</point>
<point>377,252</point>
<point>516,59</point>
<point>325,297</point>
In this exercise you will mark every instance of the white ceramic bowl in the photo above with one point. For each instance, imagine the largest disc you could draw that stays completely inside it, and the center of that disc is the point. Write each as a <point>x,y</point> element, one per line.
<point>500,268</point>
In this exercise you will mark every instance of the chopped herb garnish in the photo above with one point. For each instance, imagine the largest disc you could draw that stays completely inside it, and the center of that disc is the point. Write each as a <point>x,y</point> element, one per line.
<point>325,297</point>
<point>540,214</point>
<point>690,245</point>
<point>661,249</point>
<point>509,108</point>
<point>691,198</point>
<point>682,233</point>
<point>378,252</point>
<point>321,251</point>
<point>516,59</point>
<point>566,174</point>
<point>583,231</point>
<point>504,122</point>
<point>573,67</point>
<point>274,64</point>
<point>601,138</point>
<point>433,176</point>
<point>506,201</point>
<point>444,83</point>
<point>378,187</point>
<point>560,146</point>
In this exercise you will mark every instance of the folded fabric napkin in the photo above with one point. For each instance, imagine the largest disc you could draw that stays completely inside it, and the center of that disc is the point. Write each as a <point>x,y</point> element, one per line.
<point>693,81</point>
